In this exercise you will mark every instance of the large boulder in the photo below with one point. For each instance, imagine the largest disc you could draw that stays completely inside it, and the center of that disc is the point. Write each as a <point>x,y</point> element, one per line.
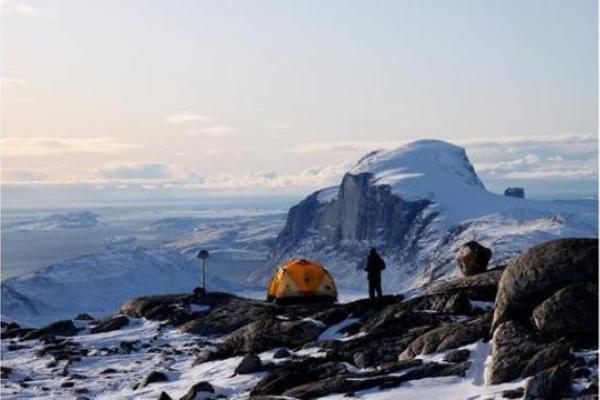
<point>550,384</point>
<point>570,312</point>
<point>514,345</point>
<point>250,364</point>
<point>541,271</point>
<point>473,258</point>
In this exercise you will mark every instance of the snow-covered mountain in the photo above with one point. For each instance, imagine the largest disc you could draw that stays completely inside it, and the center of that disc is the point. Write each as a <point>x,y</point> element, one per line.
<point>417,204</point>
<point>99,283</point>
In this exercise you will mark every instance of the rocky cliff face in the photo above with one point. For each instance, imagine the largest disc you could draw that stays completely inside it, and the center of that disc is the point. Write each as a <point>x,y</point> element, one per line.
<point>416,205</point>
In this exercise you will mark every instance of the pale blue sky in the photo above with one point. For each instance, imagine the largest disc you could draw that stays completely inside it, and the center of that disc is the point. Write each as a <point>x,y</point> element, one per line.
<point>282,95</point>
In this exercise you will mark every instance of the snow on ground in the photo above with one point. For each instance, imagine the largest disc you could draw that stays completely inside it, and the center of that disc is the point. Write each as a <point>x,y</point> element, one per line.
<point>98,284</point>
<point>167,351</point>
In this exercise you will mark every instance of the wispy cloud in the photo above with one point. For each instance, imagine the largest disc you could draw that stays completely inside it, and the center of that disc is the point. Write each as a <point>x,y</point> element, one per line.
<point>136,171</point>
<point>43,145</point>
<point>29,9</point>
<point>23,175</point>
<point>213,131</point>
<point>186,117</point>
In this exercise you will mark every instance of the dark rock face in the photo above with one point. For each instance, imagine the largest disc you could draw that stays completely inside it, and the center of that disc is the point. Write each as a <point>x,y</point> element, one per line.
<point>164,396</point>
<point>551,384</point>
<point>111,324</point>
<point>541,271</point>
<point>570,312</point>
<point>360,215</point>
<point>151,378</point>
<point>473,258</point>
<point>250,363</point>
<point>517,192</point>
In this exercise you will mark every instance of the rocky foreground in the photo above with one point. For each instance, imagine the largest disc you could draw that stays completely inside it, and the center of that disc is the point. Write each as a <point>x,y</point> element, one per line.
<point>527,331</point>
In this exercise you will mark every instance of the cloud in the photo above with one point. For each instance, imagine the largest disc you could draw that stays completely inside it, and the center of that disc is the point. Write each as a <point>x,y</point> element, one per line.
<point>345,146</point>
<point>185,117</point>
<point>537,168</point>
<point>139,171</point>
<point>13,81</point>
<point>23,175</point>
<point>213,131</point>
<point>42,145</point>
<point>29,9</point>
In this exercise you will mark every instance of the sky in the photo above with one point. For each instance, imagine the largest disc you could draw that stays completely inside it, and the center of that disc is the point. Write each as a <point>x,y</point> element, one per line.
<point>105,98</point>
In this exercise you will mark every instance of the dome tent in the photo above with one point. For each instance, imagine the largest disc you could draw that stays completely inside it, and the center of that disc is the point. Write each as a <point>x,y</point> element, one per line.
<point>301,281</point>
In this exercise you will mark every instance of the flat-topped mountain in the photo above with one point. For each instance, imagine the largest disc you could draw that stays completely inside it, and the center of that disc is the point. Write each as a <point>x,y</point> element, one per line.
<point>416,204</point>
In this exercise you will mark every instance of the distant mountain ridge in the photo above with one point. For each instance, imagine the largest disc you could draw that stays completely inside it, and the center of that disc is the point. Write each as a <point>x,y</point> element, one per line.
<point>416,204</point>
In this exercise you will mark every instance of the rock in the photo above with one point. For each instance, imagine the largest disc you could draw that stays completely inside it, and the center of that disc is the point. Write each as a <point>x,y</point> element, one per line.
<point>570,312</point>
<point>5,372</point>
<point>68,384</point>
<point>59,328</point>
<point>111,324</point>
<point>16,333</point>
<point>513,393</point>
<point>541,271</point>
<point>549,356</point>
<point>198,388</point>
<point>482,287</point>
<point>549,384</point>
<point>350,383</point>
<point>517,192</point>
<point>84,317</point>
<point>282,353</point>
<point>108,371</point>
<point>151,378</point>
<point>268,333</point>
<point>209,355</point>
<point>164,396</point>
<point>296,373</point>
<point>473,258</point>
<point>250,363</point>
<point>396,319</point>
<point>457,356</point>
<point>513,347</point>
<point>447,337</point>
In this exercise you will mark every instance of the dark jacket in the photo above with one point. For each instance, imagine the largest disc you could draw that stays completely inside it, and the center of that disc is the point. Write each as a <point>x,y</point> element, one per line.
<point>375,265</point>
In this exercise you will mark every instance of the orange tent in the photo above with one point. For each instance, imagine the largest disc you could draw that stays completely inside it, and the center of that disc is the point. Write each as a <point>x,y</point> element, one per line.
<point>300,281</point>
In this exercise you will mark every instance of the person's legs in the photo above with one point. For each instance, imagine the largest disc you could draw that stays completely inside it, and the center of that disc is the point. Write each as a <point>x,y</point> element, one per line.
<point>371,289</point>
<point>378,288</point>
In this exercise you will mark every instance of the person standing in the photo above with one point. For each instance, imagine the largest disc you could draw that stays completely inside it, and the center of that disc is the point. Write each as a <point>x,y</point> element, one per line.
<point>375,265</point>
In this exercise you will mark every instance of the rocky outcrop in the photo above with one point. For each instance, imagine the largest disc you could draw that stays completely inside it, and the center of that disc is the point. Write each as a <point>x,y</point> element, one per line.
<point>152,377</point>
<point>111,324</point>
<point>269,333</point>
<point>540,272</point>
<point>546,307</point>
<point>473,258</point>
<point>570,312</point>
<point>517,192</point>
